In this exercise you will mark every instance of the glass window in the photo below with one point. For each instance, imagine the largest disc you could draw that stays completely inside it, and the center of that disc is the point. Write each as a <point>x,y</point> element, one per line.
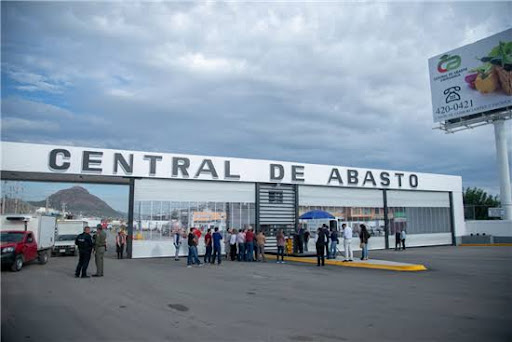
<point>275,197</point>
<point>154,220</point>
<point>353,216</point>
<point>419,220</point>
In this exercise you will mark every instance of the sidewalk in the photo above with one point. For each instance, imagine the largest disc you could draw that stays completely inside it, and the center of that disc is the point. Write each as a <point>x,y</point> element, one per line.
<point>372,263</point>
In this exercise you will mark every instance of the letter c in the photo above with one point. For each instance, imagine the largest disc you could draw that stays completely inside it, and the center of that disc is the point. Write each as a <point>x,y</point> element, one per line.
<point>53,159</point>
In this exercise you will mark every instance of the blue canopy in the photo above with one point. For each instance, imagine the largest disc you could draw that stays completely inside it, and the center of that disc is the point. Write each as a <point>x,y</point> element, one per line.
<point>316,215</point>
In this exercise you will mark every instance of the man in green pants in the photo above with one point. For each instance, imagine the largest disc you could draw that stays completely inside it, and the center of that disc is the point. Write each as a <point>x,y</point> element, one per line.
<point>100,246</point>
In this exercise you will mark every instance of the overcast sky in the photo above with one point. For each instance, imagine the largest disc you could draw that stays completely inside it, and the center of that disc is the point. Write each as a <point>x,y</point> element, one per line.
<point>333,83</point>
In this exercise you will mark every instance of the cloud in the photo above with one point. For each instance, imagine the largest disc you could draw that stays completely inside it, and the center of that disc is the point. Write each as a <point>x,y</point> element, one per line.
<point>20,107</point>
<point>336,83</point>
<point>31,81</point>
<point>21,126</point>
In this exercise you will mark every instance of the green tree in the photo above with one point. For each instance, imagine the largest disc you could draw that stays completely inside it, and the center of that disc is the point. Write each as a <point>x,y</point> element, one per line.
<point>476,203</point>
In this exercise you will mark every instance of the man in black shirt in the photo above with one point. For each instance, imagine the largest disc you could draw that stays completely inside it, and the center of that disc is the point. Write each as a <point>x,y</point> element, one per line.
<point>192,249</point>
<point>85,244</point>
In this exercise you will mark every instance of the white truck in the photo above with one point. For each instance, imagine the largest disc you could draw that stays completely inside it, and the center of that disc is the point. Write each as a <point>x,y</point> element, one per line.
<point>25,238</point>
<point>65,236</point>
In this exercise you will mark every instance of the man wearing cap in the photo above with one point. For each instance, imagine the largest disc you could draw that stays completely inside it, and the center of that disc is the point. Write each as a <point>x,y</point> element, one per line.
<point>100,246</point>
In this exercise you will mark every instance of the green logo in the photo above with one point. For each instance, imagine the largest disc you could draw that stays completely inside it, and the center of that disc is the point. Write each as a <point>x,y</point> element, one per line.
<point>447,63</point>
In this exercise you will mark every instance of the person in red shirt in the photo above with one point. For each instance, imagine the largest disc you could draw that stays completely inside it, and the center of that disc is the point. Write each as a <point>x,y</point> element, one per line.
<point>197,233</point>
<point>208,243</point>
<point>249,245</point>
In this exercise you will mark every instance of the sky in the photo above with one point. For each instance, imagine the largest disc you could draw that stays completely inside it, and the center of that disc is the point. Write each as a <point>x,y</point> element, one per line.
<point>330,83</point>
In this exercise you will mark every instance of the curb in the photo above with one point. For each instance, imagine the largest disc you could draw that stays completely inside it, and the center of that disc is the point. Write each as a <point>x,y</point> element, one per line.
<point>400,268</point>
<point>486,245</point>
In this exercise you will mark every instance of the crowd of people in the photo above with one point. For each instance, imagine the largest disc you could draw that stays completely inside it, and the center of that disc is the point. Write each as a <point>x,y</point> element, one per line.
<point>240,245</point>
<point>327,240</point>
<point>243,245</point>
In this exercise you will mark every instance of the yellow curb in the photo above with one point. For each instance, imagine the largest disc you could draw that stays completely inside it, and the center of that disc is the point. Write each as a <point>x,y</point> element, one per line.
<point>401,268</point>
<point>486,245</point>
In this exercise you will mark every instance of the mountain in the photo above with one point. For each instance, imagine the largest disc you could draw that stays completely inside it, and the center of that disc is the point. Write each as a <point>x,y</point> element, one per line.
<point>78,200</point>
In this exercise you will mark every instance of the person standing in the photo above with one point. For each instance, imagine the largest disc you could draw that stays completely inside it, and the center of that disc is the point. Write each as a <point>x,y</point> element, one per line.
<point>261,240</point>
<point>208,244</point>
<point>232,244</point>
<point>85,245</point>
<point>100,247</point>
<point>192,257</point>
<point>281,241</point>
<point>319,243</point>
<point>334,243</point>
<point>227,245</point>
<point>327,235</point>
<point>403,235</point>
<point>300,241</point>
<point>347,243</point>
<point>216,237</point>
<point>177,244</point>
<point>397,239</point>
<point>306,240</point>
<point>240,240</point>
<point>120,243</point>
<point>249,245</point>
<point>364,235</point>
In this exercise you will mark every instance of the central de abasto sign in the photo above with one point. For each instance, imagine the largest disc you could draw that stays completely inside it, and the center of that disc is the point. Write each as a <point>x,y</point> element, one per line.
<point>21,157</point>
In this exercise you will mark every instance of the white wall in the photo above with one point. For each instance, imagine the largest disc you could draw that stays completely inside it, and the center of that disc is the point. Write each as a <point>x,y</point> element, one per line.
<point>418,240</point>
<point>164,248</point>
<point>491,227</point>
<point>458,214</point>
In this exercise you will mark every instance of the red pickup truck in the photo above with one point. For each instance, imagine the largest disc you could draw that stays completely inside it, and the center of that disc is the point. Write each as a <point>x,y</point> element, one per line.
<point>19,246</point>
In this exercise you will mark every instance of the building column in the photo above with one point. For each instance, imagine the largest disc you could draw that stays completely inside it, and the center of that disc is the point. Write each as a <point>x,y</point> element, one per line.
<point>503,168</point>
<point>386,218</point>
<point>129,239</point>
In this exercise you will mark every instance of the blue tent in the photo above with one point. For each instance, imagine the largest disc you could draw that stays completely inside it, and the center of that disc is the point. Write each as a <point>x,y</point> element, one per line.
<point>316,215</point>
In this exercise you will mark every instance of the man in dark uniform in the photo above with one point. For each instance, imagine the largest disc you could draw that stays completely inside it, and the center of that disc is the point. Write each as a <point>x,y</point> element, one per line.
<point>84,243</point>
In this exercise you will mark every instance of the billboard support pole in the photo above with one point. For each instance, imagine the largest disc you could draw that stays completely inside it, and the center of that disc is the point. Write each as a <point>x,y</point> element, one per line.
<point>503,168</point>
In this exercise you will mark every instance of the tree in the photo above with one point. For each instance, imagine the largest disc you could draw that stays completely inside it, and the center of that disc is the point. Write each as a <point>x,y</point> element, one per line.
<point>476,203</point>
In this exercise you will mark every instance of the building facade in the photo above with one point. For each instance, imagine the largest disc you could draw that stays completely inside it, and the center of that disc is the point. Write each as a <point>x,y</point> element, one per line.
<point>175,190</point>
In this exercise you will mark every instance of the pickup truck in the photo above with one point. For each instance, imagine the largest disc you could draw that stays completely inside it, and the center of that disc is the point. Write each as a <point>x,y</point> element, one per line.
<point>25,238</point>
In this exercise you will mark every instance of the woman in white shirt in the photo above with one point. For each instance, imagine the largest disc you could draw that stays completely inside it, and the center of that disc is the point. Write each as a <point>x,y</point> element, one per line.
<point>403,235</point>
<point>232,244</point>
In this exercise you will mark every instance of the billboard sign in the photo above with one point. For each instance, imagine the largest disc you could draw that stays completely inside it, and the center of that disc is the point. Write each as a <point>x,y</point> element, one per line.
<point>473,79</point>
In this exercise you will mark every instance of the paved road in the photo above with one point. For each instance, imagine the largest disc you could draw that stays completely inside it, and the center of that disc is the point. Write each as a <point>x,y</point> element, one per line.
<point>465,296</point>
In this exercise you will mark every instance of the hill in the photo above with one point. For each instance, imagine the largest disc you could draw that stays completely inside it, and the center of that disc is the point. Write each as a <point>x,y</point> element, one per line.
<point>79,200</point>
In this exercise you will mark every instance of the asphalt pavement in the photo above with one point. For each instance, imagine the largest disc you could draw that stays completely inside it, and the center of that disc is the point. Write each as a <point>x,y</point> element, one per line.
<point>464,296</point>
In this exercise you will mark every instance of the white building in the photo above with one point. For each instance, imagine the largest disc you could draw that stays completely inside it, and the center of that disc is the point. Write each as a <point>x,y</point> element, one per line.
<point>265,194</point>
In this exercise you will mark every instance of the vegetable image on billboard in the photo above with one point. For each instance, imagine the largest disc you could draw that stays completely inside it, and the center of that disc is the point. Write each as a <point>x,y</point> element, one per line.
<point>473,79</point>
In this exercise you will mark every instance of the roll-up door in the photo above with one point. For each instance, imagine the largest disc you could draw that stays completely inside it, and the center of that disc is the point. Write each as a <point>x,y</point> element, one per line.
<point>418,199</point>
<point>189,190</point>
<point>277,204</point>
<point>339,197</point>
<point>424,215</point>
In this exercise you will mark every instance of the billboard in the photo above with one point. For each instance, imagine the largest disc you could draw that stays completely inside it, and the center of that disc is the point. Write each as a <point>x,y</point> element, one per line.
<point>472,79</point>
